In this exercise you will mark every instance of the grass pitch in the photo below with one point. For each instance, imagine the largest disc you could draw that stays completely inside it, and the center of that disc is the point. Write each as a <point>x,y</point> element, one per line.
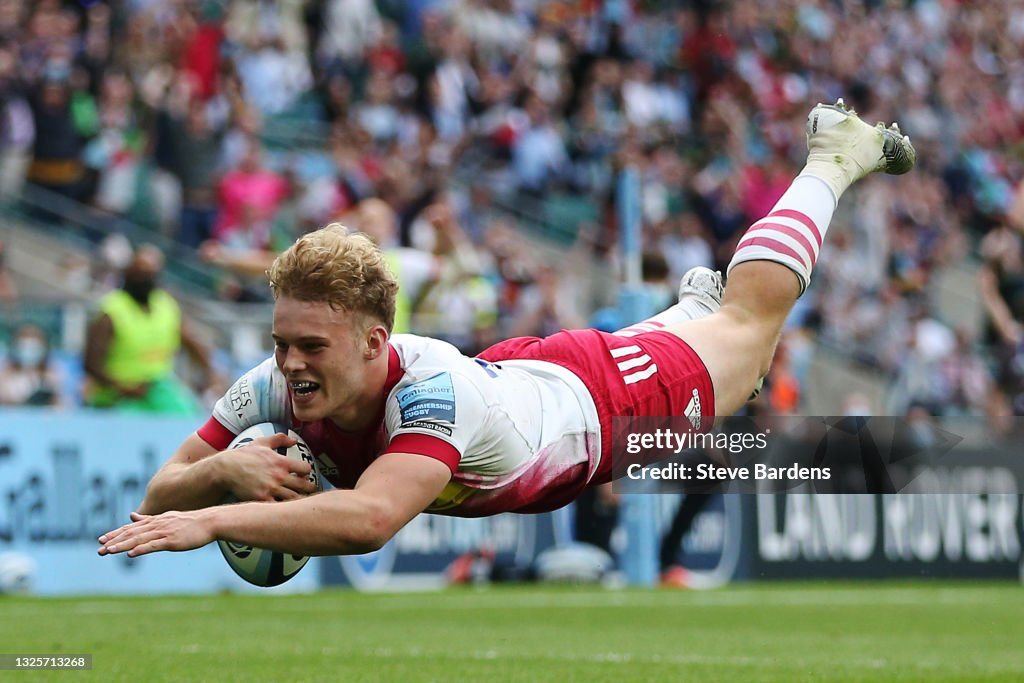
<point>779,632</point>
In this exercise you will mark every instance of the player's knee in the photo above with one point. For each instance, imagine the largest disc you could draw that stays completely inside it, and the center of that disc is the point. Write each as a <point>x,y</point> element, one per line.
<point>738,314</point>
<point>767,356</point>
<point>758,335</point>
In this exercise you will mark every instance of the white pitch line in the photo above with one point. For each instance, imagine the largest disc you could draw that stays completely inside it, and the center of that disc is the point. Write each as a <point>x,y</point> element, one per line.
<point>599,658</point>
<point>118,607</point>
<point>679,659</point>
<point>482,600</point>
<point>611,658</point>
<point>855,597</point>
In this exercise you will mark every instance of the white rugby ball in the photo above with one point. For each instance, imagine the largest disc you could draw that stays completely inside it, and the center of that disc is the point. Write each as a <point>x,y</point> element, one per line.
<point>261,567</point>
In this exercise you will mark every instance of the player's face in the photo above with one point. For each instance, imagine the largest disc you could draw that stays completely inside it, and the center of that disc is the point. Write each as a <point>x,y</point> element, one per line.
<point>324,356</point>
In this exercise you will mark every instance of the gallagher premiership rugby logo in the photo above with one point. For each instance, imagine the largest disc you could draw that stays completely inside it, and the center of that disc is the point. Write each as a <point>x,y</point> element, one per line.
<point>427,404</point>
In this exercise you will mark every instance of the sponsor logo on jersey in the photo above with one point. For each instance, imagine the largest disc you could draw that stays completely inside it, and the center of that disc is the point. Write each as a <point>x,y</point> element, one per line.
<point>430,399</point>
<point>489,368</point>
<point>432,426</point>
<point>241,396</point>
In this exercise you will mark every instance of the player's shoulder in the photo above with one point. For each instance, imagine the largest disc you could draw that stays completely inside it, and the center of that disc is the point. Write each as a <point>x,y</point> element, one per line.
<point>418,354</point>
<point>432,364</point>
<point>259,395</point>
<point>439,393</point>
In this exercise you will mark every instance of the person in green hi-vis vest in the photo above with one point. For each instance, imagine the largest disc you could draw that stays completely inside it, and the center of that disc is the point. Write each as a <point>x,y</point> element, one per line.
<point>132,343</point>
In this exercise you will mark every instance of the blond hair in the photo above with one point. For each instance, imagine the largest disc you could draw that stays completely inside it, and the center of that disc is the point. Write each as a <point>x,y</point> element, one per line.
<point>339,267</point>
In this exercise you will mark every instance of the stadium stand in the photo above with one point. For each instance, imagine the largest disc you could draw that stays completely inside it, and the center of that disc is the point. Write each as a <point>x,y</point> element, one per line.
<point>517,115</point>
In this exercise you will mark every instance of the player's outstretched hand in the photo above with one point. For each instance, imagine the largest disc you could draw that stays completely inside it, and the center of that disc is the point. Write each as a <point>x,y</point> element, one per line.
<point>256,471</point>
<point>151,533</point>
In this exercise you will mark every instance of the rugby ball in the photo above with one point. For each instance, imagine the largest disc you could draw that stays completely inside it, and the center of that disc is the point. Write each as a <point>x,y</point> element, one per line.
<point>261,567</point>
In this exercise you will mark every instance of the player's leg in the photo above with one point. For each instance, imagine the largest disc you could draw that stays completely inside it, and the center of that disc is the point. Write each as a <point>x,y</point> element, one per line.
<point>737,343</point>
<point>773,261</point>
<point>699,295</point>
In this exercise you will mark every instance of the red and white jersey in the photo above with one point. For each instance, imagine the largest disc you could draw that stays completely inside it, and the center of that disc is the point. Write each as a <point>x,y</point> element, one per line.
<point>518,435</point>
<point>652,373</point>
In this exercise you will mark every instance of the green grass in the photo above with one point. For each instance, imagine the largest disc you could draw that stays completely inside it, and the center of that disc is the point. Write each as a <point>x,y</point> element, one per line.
<point>778,632</point>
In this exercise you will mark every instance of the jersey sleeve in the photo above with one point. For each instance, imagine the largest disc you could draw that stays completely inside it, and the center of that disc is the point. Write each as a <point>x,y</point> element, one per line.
<point>260,395</point>
<point>438,417</point>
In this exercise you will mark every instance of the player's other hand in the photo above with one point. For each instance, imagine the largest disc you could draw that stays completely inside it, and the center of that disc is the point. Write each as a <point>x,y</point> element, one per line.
<point>256,471</point>
<point>150,533</point>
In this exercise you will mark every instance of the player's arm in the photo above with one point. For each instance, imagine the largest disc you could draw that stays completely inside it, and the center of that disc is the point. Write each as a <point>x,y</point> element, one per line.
<point>201,472</point>
<point>186,481</point>
<point>393,490</point>
<point>999,312</point>
<point>199,475</point>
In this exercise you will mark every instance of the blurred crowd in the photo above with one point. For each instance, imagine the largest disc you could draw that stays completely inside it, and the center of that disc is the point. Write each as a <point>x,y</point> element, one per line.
<point>443,128</point>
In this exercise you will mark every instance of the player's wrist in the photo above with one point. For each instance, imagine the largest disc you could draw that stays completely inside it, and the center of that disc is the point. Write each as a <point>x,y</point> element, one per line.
<point>217,472</point>
<point>211,520</point>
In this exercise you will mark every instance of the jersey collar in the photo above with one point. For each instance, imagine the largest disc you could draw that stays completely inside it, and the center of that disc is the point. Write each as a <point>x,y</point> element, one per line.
<point>395,370</point>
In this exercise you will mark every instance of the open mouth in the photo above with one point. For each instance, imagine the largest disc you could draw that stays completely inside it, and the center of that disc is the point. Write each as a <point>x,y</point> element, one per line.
<point>304,388</point>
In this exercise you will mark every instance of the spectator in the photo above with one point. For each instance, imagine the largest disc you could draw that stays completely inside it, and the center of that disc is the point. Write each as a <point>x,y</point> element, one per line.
<point>280,21</point>
<point>1000,290</point>
<point>967,379</point>
<point>685,245</point>
<point>453,85</point>
<point>596,514</point>
<point>349,27</point>
<point>193,145</point>
<point>512,263</point>
<point>202,44</point>
<point>17,128</point>
<point>783,395</point>
<point>378,115</point>
<point>922,379</point>
<point>8,290</point>
<point>545,307</point>
<point>417,271</point>
<point>707,99</point>
<point>250,196</point>
<point>673,573</point>
<point>56,160</point>
<point>461,307</point>
<point>273,77</point>
<point>28,379</point>
<point>115,153</point>
<point>1001,285</point>
<point>538,154</point>
<point>132,343</point>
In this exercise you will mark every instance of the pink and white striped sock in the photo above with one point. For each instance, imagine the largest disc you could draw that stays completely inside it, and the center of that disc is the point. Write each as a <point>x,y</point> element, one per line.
<point>648,325</point>
<point>793,232</point>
